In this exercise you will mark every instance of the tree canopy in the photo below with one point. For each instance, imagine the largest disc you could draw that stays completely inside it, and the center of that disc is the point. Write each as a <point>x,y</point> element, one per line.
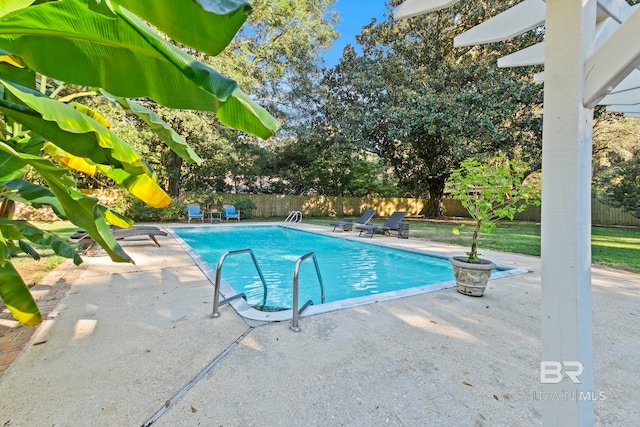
<point>423,106</point>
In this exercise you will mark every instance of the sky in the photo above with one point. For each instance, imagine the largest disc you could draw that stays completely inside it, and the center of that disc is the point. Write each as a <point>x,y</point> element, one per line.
<point>354,14</point>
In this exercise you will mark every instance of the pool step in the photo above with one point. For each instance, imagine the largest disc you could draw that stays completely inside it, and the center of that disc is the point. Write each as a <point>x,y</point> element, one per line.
<point>270,308</point>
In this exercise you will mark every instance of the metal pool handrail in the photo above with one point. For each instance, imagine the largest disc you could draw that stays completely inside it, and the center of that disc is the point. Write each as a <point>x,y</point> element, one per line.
<point>216,296</point>
<point>294,216</point>
<point>296,272</point>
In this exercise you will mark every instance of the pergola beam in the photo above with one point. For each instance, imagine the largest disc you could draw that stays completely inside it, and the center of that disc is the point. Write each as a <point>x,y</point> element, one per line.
<point>612,61</point>
<point>632,81</point>
<point>626,93</point>
<point>532,55</point>
<point>411,8</point>
<point>617,9</point>
<point>512,22</point>
<point>628,97</point>
<point>626,109</point>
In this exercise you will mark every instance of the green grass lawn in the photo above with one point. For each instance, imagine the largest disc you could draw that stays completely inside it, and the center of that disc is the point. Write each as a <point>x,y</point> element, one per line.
<point>611,246</point>
<point>616,247</point>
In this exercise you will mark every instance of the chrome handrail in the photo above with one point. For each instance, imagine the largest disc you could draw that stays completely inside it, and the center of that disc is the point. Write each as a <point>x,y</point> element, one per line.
<point>296,272</point>
<point>216,297</point>
<point>294,216</point>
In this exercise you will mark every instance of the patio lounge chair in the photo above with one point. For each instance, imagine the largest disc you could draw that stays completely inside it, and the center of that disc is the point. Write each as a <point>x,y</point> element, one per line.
<point>230,212</point>
<point>193,211</point>
<point>391,224</point>
<point>83,238</point>
<point>348,225</point>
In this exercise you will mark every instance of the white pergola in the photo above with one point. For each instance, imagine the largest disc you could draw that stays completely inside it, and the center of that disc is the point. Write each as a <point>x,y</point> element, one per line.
<point>590,54</point>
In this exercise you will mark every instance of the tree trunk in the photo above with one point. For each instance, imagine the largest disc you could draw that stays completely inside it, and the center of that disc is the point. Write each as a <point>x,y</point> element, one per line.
<point>434,208</point>
<point>174,168</point>
<point>7,208</point>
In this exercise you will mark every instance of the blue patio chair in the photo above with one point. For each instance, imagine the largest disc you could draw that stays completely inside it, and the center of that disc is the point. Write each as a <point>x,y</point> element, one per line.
<point>193,211</point>
<point>230,212</point>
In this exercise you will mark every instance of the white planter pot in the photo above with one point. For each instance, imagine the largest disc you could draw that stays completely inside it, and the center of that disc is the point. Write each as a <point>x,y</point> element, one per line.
<point>471,278</point>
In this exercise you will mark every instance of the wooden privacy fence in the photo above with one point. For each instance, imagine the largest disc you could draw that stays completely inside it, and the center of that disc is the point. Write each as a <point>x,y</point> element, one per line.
<point>269,205</point>
<point>455,209</point>
<point>279,206</point>
<point>601,214</point>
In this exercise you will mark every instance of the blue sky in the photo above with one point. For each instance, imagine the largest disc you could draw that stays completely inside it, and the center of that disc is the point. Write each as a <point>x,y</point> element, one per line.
<point>354,14</point>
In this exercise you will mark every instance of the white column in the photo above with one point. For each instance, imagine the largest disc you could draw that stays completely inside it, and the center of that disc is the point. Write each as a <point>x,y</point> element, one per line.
<point>566,213</point>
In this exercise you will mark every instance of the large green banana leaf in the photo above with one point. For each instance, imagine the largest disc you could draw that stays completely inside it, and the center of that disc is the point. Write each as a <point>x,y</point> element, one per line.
<point>32,194</point>
<point>68,41</point>
<point>8,6</point>
<point>102,44</point>
<point>70,129</point>
<point>13,66</point>
<point>37,196</point>
<point>10,167</point>
<point>140,186</point>
<point>85,212</point>
<point>19,229</point>
<point>215,21</point>
<point>78,134</point>
<point>16,296</point>
<point>165,132</point>
<point>13,291</point>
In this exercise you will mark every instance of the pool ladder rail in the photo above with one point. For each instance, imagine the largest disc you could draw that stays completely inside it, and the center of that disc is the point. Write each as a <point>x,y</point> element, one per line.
<point>293,217</point>
<point>296,271</point>
<point>216,297</point>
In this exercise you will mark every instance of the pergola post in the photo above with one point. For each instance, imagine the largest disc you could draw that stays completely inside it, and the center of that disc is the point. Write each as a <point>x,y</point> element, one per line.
<point>566,218</point>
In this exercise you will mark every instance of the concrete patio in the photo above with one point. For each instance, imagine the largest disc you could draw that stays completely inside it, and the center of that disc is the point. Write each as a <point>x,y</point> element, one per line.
<point>136,345</point>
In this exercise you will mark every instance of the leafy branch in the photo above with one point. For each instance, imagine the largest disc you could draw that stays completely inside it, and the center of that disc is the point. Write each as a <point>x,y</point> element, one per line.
<point>490,190</point>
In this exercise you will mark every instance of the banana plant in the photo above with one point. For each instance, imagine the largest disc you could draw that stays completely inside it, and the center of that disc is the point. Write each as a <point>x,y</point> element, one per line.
<point>108,46</point>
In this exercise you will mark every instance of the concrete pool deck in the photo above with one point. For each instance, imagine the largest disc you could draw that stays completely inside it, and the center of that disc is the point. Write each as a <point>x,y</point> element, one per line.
<point>126,340</point>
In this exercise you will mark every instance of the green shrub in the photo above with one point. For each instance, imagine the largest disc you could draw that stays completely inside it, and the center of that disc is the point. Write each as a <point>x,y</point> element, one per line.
<point>206,199</point>
<point>138,211</point>
<point>245,206</point>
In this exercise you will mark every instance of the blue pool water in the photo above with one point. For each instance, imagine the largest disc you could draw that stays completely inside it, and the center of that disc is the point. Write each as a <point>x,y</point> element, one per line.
<point>349,268</point>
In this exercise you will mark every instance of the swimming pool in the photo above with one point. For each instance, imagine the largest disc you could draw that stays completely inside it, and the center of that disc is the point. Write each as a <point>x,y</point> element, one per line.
<point>349,269</point>
<point>354,271</point>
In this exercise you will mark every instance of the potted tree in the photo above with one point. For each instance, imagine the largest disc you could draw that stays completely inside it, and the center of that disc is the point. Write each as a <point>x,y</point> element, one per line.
<point>490,190</point>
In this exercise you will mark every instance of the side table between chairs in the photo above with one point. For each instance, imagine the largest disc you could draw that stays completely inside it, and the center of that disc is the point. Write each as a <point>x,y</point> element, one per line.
<point>215,217</point>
